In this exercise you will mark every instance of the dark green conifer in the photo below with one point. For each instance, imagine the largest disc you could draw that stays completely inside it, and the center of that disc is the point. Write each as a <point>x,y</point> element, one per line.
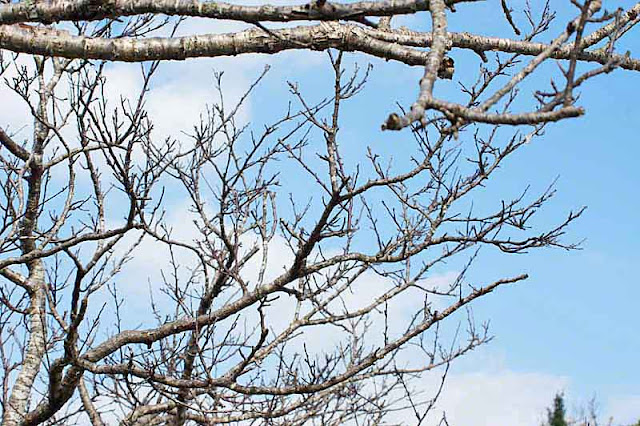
<point>555,416</point>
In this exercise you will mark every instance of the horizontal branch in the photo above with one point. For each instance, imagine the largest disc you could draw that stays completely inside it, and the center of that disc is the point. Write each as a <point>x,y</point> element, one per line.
<point>41,253</point>
<point>395,122</point>
<point>319,37</point>
<point>129,337</point>
<point>479,43</point>
<point>381,352</point>
<point>391,45</point>
<point>87,10</point>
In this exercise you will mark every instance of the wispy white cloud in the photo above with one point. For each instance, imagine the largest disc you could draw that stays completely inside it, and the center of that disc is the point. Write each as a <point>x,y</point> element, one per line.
<point>493,398</point>
<point>624,409</point>
<point>14,112</point>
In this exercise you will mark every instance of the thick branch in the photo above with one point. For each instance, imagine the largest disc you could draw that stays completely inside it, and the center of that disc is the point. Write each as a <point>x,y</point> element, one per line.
<point>319,37</point>
<point>383,44</point>
<point>12,146</point>
<point>87,10</point>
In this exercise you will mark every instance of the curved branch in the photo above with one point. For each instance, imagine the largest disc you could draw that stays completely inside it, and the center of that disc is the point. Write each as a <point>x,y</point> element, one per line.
<point>13,146</point>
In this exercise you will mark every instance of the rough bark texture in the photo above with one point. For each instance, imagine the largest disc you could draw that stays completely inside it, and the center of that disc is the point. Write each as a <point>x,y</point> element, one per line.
<point>16,406</point>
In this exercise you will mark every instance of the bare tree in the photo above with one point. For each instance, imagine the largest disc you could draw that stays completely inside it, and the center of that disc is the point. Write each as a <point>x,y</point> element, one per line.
<point>346,259</point>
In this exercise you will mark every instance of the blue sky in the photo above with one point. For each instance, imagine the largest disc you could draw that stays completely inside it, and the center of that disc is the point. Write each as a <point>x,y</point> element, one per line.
<point>572,325</point>
<point>577,314</point>
<point>576,317</point>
